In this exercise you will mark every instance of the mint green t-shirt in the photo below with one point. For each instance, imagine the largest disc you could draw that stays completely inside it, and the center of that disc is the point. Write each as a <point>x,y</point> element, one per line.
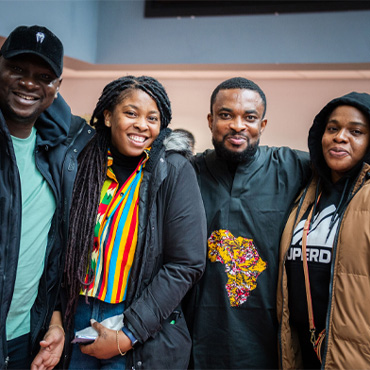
<point>38,208</point>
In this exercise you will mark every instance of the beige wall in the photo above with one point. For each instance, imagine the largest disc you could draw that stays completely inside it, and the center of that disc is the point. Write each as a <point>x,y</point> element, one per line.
<point>291,104</point>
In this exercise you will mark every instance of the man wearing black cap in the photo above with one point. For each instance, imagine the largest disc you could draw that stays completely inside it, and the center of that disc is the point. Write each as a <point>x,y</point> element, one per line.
<point>39,144</point>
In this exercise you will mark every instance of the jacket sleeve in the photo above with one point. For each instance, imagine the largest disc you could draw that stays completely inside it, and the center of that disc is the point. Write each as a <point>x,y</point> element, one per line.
<point>305,168</point>
<point>181,216</point>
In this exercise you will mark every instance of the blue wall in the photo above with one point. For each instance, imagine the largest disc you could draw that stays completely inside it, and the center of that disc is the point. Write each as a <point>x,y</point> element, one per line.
<point>342,37</point>
<point>116,32</point>
<point>75,22</point>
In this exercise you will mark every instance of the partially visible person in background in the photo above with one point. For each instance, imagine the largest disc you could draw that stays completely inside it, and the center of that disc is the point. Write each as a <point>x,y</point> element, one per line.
<point>39,144</point>
<point>189,137</point>
<point>137,234</point>
<point>324,272</point>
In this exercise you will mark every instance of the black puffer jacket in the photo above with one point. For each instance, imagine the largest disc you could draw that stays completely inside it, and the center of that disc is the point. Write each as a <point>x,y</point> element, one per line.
<point>169,258</point>
<point>60,139</point>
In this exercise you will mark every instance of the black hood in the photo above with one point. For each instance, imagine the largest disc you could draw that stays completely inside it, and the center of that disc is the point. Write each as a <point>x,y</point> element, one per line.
<point>360,101</point>
<point>54,123</point>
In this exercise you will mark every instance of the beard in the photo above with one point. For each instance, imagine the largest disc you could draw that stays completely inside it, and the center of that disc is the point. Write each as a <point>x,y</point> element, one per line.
<point>235,157</point>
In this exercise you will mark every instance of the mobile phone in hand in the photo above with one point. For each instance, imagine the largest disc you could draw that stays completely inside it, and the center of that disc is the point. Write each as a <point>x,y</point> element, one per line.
<point>83,339</point>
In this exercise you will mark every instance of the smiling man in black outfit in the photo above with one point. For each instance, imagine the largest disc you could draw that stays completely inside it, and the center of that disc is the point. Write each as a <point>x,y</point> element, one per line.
<point>247,190</point>
<point>39,144</point>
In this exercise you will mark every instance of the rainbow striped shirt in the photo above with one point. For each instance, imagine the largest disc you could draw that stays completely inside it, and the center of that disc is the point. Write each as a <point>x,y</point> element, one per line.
<point>115,236</point>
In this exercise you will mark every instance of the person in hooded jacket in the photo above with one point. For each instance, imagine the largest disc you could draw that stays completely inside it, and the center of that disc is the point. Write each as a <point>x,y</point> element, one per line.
<point>40,141</point>
<point>323,298</point>
<point>137,234</point>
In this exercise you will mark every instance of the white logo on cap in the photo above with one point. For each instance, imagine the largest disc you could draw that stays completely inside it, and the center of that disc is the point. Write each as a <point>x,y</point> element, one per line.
<point>40,37</point>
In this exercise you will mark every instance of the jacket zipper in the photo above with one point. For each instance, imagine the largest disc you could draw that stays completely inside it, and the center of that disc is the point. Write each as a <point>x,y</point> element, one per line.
<point>45,175</point>
<point>63,200</point>
<point>49,243</point>
<point>5,347</point>
<point>39,327</point>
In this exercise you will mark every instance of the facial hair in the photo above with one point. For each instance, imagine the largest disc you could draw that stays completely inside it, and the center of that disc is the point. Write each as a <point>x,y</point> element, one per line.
<point>235,157</point>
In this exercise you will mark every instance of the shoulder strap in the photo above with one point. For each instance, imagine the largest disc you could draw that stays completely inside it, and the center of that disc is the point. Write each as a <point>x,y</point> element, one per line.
<point>306,229</point>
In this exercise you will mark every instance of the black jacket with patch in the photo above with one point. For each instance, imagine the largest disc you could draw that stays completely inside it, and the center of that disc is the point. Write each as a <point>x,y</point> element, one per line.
<point>232,310</point>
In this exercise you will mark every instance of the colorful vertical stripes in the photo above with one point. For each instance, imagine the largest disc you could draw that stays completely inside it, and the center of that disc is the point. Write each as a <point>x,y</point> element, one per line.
<point>115,236</point>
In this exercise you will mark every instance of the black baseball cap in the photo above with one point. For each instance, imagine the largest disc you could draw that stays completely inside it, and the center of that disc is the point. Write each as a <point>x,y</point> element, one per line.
<point>36,40</point>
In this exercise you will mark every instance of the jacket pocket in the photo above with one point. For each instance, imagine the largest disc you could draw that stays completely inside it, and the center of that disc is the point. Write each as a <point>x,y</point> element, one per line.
<point>169,349</point>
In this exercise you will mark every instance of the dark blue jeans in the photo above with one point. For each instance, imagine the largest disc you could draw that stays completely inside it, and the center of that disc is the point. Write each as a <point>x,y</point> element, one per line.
<point>98,310</point>
<point>19,352</point>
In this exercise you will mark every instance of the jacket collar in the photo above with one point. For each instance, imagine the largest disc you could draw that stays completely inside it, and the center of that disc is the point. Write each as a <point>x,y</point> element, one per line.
<point>54,123</point>
<point>167,141</point>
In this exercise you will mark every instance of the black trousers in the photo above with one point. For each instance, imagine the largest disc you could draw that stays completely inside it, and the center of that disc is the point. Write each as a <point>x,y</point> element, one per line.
<point>19,352</point>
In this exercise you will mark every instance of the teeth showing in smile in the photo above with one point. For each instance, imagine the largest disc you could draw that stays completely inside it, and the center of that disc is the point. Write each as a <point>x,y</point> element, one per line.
<point>26,97</point>
<point>139,139</point>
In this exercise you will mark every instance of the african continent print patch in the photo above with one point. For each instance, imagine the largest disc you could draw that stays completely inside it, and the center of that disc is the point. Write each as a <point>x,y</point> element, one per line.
<point>242,263</point>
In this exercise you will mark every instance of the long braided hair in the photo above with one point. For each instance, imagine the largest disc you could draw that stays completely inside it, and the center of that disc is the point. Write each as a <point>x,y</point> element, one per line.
<point>90,178</point>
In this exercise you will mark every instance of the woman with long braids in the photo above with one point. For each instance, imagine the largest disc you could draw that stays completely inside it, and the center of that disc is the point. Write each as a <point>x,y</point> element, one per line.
<point>137,234</point>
